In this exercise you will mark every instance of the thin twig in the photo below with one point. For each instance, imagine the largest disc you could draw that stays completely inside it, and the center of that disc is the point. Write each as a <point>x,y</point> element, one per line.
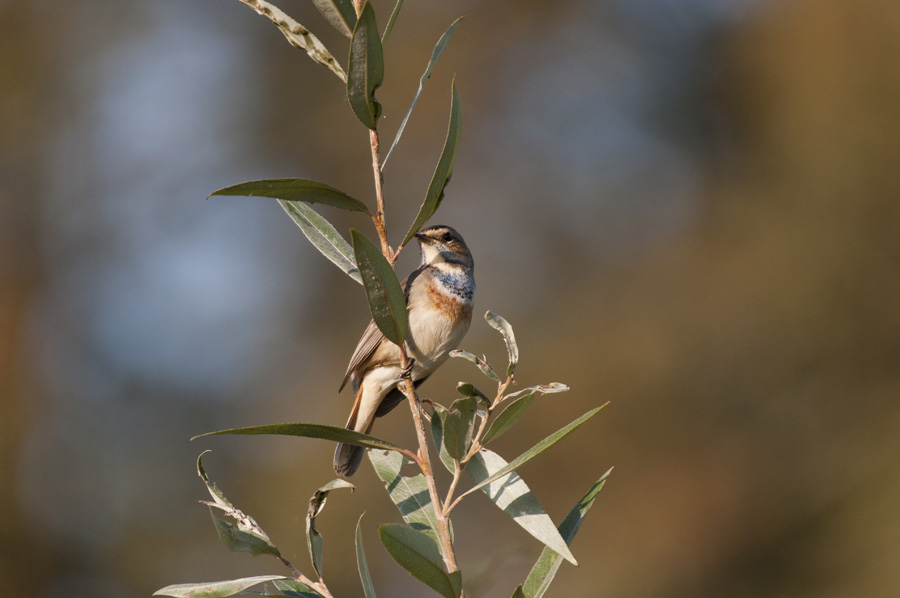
<point>378,216</point>
<point>456,477</point>
<point>411,455</point>
<point>452,506</point>
<point>318,586</point>
<point>449,503</point>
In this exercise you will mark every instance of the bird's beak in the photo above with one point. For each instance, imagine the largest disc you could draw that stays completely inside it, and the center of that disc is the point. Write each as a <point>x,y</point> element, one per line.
<point>424,238</point>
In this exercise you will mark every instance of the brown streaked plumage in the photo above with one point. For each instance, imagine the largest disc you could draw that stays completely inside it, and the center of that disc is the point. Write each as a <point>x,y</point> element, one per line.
<point>439,298</point>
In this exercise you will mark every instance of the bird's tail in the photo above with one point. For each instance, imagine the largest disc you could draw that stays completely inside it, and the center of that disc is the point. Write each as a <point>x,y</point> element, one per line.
<point>348,457</point>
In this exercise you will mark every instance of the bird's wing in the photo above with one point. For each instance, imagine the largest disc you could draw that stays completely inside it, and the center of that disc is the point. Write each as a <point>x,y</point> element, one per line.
<point>372,337</point>
<point>370,340</point>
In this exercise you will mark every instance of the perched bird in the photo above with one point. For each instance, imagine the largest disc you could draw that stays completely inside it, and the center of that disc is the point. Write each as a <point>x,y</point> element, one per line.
<point>439,297</point>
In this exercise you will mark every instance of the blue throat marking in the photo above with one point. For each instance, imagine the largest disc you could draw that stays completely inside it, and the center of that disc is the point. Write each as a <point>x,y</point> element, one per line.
<point>461,285</point>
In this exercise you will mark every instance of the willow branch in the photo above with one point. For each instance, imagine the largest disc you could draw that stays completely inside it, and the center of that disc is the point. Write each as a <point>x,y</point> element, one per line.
<point>408,388</point>
<point>378,216</point>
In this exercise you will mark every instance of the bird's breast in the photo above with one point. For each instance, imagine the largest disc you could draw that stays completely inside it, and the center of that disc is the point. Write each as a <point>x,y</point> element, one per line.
<point>440,310</point>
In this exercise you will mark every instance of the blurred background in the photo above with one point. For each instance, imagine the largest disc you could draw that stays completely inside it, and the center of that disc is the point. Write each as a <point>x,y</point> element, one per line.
<point>688,208</point>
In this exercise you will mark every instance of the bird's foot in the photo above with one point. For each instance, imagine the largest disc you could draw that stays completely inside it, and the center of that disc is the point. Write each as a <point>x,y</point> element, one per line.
<point>406,373</point>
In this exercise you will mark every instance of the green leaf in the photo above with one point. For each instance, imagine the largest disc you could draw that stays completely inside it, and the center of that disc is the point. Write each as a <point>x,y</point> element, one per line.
<point>323,236</point>
<point>314,539</point>
<point>482,365</point>
<point>512,496</point>
<point>383,290</point>
<point>500,324</point>
<point>508,417</point>
<point>215,589</point>
<point>518,593</point>
<point>245,535</point>
<point>458,427</point>
<point>437,434</point>
<point>470,390</point>
<point>548,563</point>
<point>315,545</point>
<point>310,431</point>
<point>295,589</point>
<point>217,495</point>
<point>242,538</point>
<point>298,35</point>
<point>362,564</point>
<point>296,190</point>
<point>366,68</point>
<point>536,450</point>
<point>443,171</point>
<point>435,54</point>
<point>340,13</point>
<point>418,554</point>
<point>390,26</point>
<point>409,493</point>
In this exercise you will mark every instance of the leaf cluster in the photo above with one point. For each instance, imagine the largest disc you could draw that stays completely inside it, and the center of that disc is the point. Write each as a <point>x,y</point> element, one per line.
<point>362,261</point>
<point>460,433</point>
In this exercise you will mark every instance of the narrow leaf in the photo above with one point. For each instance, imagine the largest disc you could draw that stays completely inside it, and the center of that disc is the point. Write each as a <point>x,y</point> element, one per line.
<point>244,535</point>
<point>291,189</point>
<point>315,544</point>
<point>217,495</point>
<point>295,589</point>
<point>323,236</point>
<point>418,554</point>
<point>508,417</point>
<point>366,68</point>
<point>458,427</point>
<point>470,390</point>
<point>443,171</point>
<point>298,35</point>
<point>242,538</point>
<point>409,493</point>
<point>386,300</point>
<point>548,563</point>
<point>310,431</point>
<point>314,541</point>
<point>519,593</point>
<point>437,434</point>
<point>512,496</point>
<point>362,564</point>
<point>390,26</point>
<point>435,54</point>
<point>500,324</point>
<point>340,13</point>
<point>541,388</point>
<point>536,450</point>
<point>215,589</point>
<point>482,365</point>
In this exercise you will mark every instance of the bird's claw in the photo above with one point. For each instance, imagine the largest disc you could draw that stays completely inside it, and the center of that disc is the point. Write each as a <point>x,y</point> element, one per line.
<point>406,373</point>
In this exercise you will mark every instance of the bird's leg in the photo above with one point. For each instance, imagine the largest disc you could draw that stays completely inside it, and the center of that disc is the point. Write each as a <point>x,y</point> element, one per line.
<point>406,372</point>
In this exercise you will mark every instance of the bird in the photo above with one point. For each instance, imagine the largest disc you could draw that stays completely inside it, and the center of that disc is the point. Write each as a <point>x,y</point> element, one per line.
<point>439,300</point>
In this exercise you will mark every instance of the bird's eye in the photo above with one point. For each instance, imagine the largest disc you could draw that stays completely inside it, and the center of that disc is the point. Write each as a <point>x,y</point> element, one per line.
<point>447,237</point>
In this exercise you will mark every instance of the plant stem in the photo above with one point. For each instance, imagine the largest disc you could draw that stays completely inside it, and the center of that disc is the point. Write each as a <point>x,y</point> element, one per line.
<point>378,217</point>
<point>408,389</point>
<point>449,502</point>
<point>456,476</point>
<point>406,385</point>
<point>318,586</point>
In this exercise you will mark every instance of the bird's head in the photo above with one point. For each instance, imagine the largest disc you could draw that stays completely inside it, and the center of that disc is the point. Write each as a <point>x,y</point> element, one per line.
<point>442,243</point>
